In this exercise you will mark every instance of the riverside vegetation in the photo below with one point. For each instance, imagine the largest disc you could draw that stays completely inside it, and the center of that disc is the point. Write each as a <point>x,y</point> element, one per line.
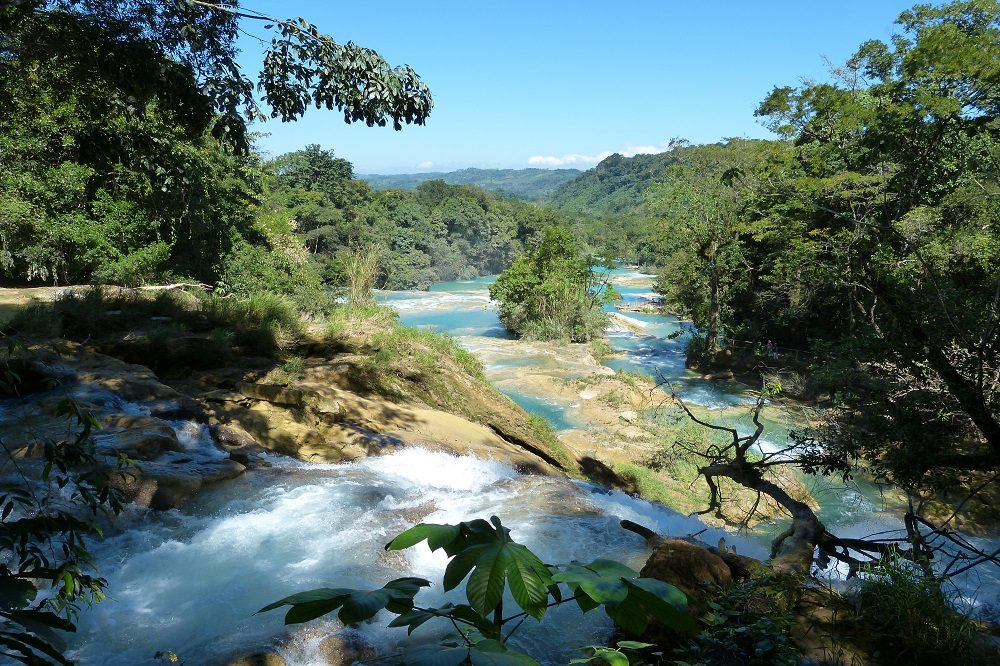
<point>865,238</point>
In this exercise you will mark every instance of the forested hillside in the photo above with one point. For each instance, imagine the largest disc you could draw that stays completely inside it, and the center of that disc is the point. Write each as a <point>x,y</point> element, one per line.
<point>524,184</point>
<point>616,185</point>
<point>439,232</point>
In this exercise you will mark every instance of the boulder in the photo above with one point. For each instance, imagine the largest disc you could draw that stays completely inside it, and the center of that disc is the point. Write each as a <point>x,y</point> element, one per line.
<point>137,436</point>
<point>232,436</point>
<point>693,569</point>
<point>171,480</point>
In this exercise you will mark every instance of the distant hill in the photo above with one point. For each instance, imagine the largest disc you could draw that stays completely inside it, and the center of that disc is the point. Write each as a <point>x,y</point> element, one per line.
<point>524,184</point>
<point>616,185</point>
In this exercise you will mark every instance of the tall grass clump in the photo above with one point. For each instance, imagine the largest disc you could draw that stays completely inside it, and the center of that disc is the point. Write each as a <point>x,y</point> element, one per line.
<point>361,267</point>
<point>260,323</point>
<point>912,619</point>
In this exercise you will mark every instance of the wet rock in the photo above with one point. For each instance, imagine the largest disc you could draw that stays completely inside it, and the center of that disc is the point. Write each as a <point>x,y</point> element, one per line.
<point>345,649</point>
<point>132,485</point>
<point>263,658</point>
<point>170,481</point>
<point>232,437</point>
<point>139,437</point>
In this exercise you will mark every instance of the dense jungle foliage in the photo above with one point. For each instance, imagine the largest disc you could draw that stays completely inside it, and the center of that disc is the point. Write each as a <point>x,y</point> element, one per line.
<point>439,232</point>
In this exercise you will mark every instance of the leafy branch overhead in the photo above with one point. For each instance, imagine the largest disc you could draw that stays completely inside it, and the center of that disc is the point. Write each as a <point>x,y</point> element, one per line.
<point>483,555</point>
<point>303,66</point>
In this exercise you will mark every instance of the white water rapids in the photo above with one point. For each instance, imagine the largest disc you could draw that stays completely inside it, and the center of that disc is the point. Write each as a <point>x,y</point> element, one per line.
<point>190,580</point>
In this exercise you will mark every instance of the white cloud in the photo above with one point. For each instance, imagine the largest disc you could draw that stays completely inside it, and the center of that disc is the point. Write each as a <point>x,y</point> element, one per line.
<point>426,164</point>
<point>573,159</point>
<point>566,160</point>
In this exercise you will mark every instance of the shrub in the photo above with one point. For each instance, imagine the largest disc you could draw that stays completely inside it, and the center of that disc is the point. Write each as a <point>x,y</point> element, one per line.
<point>253,269</point>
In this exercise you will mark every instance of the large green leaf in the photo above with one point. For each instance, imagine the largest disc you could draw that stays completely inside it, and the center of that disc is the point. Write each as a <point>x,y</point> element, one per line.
<point>486,584</point>
<point>663,601</point>
<point>321,594</point>
<point>601,588</point>
<point>437,536</point>
<point>529,580</point>
<point>355,605</point>
<point>610,568</point>
<point>437,655</point>
<point>460,566</point>
<point>484,552</point>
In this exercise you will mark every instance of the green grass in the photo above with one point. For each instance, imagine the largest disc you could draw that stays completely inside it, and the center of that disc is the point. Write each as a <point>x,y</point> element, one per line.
<point>424,348</point>
<point>635,380</point>
<point>912,619</point>
<point>644,482</point>
<point>601,348</point>
<point>542,429</point>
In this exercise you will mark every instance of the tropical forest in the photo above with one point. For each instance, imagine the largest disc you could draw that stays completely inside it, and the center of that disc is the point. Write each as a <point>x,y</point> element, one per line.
<point>310,359</point>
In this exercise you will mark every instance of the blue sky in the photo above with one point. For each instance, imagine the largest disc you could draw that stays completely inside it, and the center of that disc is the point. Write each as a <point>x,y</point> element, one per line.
<point>559,83</point>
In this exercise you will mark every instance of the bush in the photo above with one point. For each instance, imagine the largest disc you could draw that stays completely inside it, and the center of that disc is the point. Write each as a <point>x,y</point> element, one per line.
<point>253,269</point>
<point>747,624</point>
<point>98,311</point>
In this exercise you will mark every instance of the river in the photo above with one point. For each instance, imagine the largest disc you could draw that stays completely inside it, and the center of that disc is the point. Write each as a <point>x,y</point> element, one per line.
<point>189,580</point>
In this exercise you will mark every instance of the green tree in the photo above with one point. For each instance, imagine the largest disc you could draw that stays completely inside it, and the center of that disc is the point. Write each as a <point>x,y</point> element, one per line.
<point>878,247</point>
<point>551,291</point>
<point>302,67</point>
<point>898,165</point>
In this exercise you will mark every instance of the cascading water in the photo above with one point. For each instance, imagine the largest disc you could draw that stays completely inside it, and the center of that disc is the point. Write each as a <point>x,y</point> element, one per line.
<point>190,581</point>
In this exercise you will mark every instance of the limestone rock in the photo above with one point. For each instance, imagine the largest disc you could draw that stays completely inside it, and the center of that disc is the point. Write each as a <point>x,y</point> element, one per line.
<point>232,437</point>
<point>629,416</point>
<point>171,480</point>
<point>138,437</point>
<point>273,393</point>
